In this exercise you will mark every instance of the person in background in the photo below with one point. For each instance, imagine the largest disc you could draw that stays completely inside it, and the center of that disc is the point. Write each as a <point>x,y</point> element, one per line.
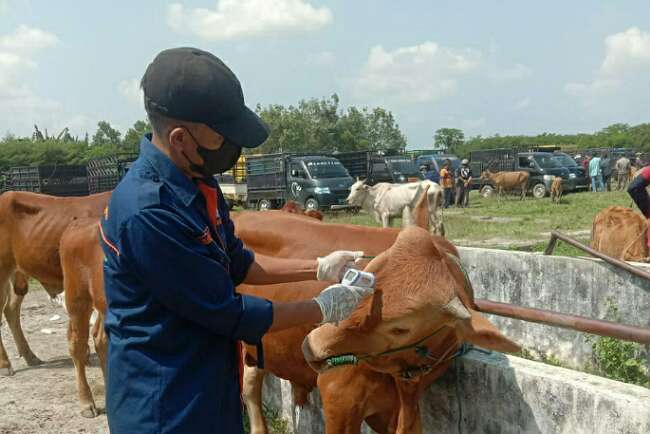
<point>427,173</point>
<point>595,173</point>
<point>585,163</point>
<point>447,182</point>
<point>637,161</point>
<point>606,169</point>
<point>463,180</point>
<point>622,166</point>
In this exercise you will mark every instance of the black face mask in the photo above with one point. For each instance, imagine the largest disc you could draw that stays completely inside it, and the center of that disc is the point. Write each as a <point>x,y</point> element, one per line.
<point>217,160</point>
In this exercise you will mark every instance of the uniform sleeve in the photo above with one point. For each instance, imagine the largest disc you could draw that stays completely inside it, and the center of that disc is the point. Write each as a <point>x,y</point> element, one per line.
<point>240,257</point>
<point>637,190</point>
<point>159,249</point>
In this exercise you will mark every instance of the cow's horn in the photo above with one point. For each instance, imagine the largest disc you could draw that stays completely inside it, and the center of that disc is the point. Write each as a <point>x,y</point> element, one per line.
<point>456,308</point>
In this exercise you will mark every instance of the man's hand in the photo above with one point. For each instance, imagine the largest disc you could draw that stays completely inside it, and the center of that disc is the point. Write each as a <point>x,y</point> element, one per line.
<point>332,266</point>
<point>338,301</point>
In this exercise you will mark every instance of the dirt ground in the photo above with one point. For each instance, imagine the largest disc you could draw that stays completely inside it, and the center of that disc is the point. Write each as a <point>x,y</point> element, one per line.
<point>43,399</point>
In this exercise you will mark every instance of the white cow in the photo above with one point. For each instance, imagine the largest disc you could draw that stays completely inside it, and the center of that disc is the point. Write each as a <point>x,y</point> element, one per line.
<point>385,201</point>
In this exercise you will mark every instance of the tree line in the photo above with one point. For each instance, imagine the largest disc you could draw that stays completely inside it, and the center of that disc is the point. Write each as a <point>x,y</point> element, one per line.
<point>619,135</point>
<point>314,125</point>
<point>43,149</point>
<point>311,125</point>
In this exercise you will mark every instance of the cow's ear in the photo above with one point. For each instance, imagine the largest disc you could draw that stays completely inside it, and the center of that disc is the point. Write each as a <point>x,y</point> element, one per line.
<point>372,315</point>
<point>483,333</point>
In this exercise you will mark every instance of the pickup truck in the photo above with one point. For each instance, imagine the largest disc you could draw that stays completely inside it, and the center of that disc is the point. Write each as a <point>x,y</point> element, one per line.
<point>313,181</point>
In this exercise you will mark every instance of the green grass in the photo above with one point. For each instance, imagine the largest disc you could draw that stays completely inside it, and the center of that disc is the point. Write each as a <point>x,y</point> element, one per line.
<point>511,223</point>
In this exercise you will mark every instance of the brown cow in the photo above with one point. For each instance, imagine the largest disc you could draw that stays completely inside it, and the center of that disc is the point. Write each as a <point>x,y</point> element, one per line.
<point>621,233</point>
<point>557,189</point>
<point>351,395</point>
<point>30,231</point>
<point>421,312</point>
<point>507,181</point>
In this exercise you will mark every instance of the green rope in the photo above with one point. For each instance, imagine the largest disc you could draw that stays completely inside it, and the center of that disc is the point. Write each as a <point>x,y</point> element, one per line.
<point>347,359</point>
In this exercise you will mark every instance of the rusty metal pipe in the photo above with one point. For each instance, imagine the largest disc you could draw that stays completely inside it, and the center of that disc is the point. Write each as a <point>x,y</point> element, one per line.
<point>573,322</point>
<point>555,235</point>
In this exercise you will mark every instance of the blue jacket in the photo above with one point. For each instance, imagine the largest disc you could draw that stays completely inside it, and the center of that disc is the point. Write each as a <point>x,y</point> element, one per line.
<point>173,315</point>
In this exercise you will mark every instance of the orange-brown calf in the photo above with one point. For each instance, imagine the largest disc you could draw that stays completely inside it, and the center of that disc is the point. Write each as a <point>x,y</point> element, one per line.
<point>81,262</point>
<point>557,189</point>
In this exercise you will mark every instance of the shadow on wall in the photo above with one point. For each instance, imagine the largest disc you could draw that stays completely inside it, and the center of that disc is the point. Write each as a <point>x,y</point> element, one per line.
<point>472,398</point>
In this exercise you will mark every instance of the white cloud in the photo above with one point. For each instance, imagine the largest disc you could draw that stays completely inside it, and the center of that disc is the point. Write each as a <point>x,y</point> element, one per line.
<point>625,67</point>
<point>323,58</point>
<point>27,40</point>
<point>522,104</point>
<point>626,51</point>
<point>599,86</point>
<point>515,72</point>
<point>420,73</point>
<point>232,19</point>
<point>130,89</point>
<point>20,106</point>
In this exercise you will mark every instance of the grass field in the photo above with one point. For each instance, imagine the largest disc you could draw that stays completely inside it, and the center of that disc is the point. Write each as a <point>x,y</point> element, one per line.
<point>518,225</point>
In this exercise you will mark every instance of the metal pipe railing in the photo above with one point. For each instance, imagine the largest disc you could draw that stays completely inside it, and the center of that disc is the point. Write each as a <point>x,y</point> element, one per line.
<point>573,322</point>
<point>555,236</point>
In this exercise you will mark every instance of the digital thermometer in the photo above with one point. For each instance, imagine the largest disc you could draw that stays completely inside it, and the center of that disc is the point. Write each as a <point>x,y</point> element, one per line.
<point>355,277</point>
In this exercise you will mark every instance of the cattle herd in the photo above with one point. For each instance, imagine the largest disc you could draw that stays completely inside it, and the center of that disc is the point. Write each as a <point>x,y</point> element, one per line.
<point>372,367</point>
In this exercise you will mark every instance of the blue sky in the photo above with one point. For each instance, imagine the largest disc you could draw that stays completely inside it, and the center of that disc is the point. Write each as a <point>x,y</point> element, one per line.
<point>487,67</point>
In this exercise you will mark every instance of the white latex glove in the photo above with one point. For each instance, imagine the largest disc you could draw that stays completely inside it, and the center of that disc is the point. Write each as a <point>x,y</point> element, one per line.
<point>332,266</point>
<point>338,301</point>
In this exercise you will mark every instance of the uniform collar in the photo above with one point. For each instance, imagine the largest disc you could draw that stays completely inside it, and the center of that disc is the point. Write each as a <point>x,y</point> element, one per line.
<point>169,173</point>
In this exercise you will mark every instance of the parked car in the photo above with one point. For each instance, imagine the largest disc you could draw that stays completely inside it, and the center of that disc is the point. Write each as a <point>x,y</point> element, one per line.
<point>576,171</point>
<point>374,167</point>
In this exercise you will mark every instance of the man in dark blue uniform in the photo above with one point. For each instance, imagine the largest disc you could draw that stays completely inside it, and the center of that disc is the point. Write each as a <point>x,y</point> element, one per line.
<point>174,320</point>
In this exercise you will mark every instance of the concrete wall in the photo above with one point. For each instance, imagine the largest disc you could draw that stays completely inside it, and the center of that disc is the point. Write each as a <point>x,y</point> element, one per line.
<point>578,286</point>
<point>493,393</point>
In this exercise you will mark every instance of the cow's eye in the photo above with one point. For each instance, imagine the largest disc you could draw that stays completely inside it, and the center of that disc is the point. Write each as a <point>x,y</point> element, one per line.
<point>399,331</point>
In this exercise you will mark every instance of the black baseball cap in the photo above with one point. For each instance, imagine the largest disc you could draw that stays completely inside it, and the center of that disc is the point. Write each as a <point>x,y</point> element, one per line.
<point>193,85</point>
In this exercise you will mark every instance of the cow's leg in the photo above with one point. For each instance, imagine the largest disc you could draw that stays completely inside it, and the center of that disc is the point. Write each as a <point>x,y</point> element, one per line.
<point>12,313</point>
<point>385,220</point>
<point>408,421</point>
<point>252,394</point>
<point>79,309</point>
<point>101,342</point>
<point>368,395</point>
<point>5,365</point>
<point>343,411</point>
<point>300,394</point>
